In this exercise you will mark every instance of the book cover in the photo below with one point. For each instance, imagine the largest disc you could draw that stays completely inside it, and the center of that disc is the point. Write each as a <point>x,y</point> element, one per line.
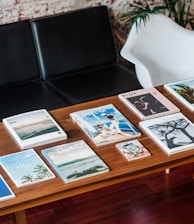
<point>5,190</point>
<point>34,128</point>
<point>26,168</point>
<point>148,103</point>
<point>132,150</point>
<point>105,124</point>
<point>75,160</point>
<point>174,132</point>
<point>183,91</point>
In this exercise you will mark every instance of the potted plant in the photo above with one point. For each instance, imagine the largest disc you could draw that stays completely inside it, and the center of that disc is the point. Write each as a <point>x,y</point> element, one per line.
<point>179,10</point>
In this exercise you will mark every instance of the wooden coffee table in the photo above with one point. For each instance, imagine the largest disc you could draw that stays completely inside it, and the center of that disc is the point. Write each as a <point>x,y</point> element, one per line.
<point>120,169</point>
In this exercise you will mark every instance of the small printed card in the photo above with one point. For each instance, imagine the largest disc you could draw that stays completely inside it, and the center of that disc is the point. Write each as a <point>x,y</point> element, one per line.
<point>132,150</point>
<point>5,190</point>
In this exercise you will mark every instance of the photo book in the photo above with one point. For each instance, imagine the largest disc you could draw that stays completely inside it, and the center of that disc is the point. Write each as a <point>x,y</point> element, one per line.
<point>26,168</point>
<point>5,190</point>
<point>74,161</point>
<point>132,150</point>
<point>105,124</point>
<point>174,132</point>
<point>183,91</point>
<point>34,128</point>
<point>148,103</point>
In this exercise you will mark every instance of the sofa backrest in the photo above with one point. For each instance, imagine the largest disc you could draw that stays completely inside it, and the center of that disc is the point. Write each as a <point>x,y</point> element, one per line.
<point>74,41</point>
<point>18,60</point>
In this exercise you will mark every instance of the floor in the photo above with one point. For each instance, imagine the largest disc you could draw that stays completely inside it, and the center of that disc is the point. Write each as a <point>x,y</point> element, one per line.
<point>154,199</point>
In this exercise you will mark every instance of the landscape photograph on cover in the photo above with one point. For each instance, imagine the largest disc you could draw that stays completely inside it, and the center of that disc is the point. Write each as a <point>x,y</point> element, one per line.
<point>75,160</point>
<point>147,104</point>
<point>32,125</point>
<point>174,133</point>
<point>185,89</point>
<point>106,123</point>
<point>26,167</point>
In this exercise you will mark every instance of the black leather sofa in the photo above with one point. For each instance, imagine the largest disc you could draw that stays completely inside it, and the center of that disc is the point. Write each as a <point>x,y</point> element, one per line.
<point>60,60</point>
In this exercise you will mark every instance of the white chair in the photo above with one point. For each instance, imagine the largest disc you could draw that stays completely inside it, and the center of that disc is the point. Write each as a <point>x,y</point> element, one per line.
<point>161,50</point>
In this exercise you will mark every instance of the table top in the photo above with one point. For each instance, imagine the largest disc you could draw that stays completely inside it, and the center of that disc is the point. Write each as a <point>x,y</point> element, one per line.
<point>120,169</point>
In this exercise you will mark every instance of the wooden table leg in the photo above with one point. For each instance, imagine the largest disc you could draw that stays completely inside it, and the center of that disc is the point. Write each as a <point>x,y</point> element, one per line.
<point>18,217</point>
<point>167,171</point>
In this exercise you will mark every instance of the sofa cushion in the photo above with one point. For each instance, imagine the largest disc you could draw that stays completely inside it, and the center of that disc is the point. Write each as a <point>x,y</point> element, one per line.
<point>31,96</point>
<point>74,41</point>
<point>17,53</point>
<point>96,83</point>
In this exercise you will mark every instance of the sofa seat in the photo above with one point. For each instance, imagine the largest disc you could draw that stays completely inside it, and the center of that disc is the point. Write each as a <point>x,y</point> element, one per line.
<point>29,96</point>
<point>95,83</point>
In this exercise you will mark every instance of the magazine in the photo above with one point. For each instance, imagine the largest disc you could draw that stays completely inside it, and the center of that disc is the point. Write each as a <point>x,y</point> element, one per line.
<point>34,128</point>
<point>148,103</point>
<point>174,132</point>
<point>75,160</point>
<point>5,190</point>
<point>105,124</point>
<point>132,150</point>
<point>183,91</point>
<point>26,168</point>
